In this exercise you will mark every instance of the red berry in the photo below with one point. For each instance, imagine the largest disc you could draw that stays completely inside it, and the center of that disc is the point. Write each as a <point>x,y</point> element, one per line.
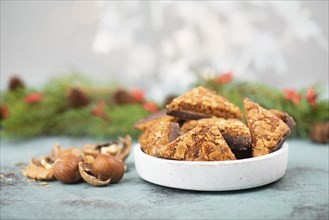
<point>33,97</point>
<point>150,106</point>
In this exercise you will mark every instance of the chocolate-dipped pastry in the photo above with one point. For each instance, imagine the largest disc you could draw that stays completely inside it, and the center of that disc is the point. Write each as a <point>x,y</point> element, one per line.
<point>158,135</point>
<point>203,143</point>
<point>202,103</point>
<point>234,131</point>
<point>268,132</point>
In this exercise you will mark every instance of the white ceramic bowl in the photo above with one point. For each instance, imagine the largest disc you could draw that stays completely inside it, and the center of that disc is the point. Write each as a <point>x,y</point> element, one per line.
<point>214,175</point>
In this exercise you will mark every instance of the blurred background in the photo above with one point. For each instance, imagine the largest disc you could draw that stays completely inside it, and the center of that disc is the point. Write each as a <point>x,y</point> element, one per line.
<point>164,46</point>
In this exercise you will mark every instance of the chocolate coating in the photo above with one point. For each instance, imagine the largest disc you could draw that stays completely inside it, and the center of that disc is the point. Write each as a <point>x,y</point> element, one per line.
<point>237,142</point>
<point>242,154</point>
<point>186,115</point>
<point>174,132</point>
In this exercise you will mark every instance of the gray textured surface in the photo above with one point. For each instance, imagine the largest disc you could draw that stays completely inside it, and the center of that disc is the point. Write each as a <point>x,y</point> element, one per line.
<point>301,194</point>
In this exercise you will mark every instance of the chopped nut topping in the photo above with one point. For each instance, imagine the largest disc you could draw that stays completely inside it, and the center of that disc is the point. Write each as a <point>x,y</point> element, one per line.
<point>267,130</point>
<point>204,101</point>
<point>234,131</point>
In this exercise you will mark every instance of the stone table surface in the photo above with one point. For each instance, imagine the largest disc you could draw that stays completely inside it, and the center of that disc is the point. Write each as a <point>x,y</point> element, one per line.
<point>301,194</point>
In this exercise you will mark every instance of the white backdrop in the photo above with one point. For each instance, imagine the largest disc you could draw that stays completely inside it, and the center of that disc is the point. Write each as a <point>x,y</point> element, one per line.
<point>156,45</point>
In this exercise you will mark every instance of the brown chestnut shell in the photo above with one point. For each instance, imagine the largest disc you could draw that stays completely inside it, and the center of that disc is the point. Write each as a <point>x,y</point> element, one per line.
<point>66,168</point>
<point>86,174</point>
<point>106,166</point>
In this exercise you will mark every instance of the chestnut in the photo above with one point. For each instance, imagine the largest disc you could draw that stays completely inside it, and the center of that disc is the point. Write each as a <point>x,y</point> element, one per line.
<point>66,168</point>
<point>106,167</point>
